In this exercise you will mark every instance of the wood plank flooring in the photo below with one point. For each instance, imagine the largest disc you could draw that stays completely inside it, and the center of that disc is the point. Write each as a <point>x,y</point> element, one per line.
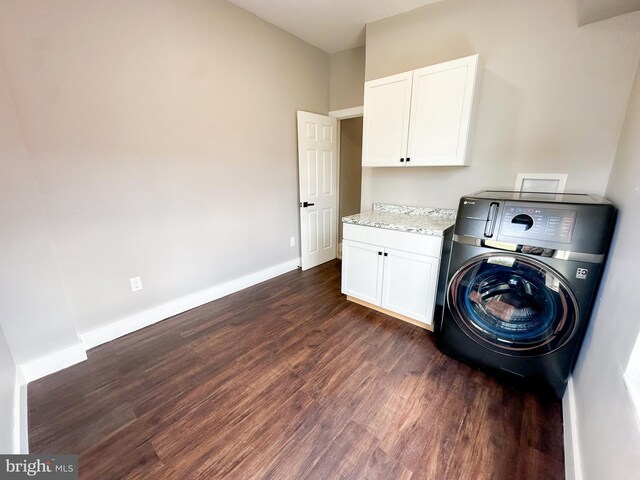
<point>288,380</point>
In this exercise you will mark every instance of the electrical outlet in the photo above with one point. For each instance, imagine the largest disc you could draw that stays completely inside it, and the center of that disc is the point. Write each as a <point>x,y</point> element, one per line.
<point>136,284</point>
<point>292,241</point>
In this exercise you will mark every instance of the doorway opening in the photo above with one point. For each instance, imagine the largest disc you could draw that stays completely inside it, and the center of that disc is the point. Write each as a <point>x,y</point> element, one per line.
<point>350,172</point>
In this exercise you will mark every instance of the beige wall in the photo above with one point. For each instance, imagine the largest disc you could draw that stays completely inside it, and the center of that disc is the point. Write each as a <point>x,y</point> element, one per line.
<point>346,79</point>
<point>609,435</point>
<point>552,96</point>
<point>7,396</point>
<point>163,139</point>
<point>33,310</point>
<point>350,168</point>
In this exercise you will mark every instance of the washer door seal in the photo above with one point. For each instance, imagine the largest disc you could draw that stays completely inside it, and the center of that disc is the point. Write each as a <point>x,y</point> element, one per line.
<point>513,304</point>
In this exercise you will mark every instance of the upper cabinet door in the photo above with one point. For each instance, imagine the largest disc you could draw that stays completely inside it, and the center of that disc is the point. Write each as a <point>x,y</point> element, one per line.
<point>441,104</point>
<point>386,120</point>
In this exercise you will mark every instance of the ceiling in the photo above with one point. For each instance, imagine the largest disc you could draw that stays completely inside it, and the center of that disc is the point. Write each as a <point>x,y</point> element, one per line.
<point>332,25</point>
<point>336,25</point>
<point>590,11</point>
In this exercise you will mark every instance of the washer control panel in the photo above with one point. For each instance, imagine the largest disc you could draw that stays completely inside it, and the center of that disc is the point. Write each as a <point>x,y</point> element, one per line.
<point>534,222</point>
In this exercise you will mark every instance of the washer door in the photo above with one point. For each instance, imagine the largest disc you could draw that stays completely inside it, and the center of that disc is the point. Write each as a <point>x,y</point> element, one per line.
<point>512,304</point>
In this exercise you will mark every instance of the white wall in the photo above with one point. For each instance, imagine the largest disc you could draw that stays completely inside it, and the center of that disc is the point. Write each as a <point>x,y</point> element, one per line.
<point>608,428</point>
<point>33,310</point>
<point>7,396</point>
<point>552,96</point>
<point>346,78</point>
<point>163,140</point>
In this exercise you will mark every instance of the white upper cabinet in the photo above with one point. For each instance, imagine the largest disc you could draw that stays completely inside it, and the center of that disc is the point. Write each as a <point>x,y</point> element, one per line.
<point>387,103</point>
<point>441,102</point>
<point>434,130</point>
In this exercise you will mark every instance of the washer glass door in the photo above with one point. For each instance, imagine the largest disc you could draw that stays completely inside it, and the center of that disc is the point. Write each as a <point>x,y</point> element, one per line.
<point>512,304</point>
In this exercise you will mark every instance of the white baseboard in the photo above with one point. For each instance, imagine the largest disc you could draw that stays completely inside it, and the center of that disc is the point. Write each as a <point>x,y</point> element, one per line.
<point>124,326</point>
<point>53,362</point>
<point>20,412</point>
<point>16,433</point>
<point>572,461</point>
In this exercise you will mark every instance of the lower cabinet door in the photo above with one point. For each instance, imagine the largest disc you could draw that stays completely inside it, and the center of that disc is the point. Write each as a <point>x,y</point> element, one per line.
<point>362,271</point>
<point>410,283</point>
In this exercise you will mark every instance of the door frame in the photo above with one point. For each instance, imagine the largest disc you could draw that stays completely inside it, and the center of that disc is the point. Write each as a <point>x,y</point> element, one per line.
<point>344,114</point>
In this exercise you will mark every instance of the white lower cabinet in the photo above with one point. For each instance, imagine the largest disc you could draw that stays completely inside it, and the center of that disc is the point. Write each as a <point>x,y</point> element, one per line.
<point>409,284</point>
<point>362,271</point>
<point>389,276</point>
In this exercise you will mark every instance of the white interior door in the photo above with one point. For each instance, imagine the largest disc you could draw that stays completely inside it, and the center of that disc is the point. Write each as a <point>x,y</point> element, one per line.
<point>317,160</point>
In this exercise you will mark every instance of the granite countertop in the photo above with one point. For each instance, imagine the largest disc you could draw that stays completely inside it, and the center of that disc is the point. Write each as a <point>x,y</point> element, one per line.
<point>422,220</point>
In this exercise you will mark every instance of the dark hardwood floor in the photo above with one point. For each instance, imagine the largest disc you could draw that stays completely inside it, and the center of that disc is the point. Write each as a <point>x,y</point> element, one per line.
<point>288,380</point>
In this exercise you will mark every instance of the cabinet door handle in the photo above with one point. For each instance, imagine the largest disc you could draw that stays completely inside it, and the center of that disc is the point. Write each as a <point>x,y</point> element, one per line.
<point>402,159</point>
<point>379,253</point>
<point>386,254</point>
<point>408,159</point>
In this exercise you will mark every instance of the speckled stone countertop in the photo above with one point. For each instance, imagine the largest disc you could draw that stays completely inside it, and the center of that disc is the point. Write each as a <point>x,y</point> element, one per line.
<point>422,220</point>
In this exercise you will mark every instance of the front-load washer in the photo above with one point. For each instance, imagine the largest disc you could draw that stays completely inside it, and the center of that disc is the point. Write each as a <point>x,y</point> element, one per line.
<point>522,278</point>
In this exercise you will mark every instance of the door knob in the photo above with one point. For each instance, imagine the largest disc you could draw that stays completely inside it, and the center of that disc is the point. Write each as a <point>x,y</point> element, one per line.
<point>306,204</point>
